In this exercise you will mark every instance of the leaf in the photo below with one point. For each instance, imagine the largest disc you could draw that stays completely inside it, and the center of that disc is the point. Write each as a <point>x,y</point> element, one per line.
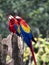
<point>45,57</point>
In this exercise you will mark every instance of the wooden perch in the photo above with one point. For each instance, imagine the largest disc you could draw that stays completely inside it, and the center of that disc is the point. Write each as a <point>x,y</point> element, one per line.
<point>16,54</point>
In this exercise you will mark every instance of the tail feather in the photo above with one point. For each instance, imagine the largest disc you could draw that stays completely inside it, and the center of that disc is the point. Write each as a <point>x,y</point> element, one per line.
<point>34,40</point>
<point>32,51</point>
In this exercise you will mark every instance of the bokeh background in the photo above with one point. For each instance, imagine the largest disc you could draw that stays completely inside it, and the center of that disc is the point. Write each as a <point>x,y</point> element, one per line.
<point>36,14</point>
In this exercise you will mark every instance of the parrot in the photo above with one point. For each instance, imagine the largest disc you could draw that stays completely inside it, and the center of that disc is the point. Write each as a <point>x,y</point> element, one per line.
<point>19,26</point>
<point>11,23</point>
<point>25,31</point>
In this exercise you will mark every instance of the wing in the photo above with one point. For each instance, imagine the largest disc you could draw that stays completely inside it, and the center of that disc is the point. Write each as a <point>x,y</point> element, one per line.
<point>16,27</point>
<point>26,32</point>
<point>25,27</point>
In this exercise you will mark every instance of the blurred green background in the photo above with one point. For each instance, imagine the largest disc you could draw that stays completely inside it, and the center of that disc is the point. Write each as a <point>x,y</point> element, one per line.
<point>36,14</point>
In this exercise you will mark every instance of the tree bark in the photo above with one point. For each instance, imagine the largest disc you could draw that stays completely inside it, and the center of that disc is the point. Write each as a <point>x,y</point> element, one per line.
<point>16,55</point>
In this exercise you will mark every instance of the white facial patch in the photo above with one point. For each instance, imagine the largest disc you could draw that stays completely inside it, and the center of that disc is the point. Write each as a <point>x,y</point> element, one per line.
<point>10,17</point>
<point>17,17</point>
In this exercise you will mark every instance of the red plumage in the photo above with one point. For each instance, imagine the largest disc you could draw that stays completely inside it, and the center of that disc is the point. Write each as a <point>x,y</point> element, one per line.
<point>11,27</point>
<point>32,51</point>
<point>23,22</point>
<point>11,23</point>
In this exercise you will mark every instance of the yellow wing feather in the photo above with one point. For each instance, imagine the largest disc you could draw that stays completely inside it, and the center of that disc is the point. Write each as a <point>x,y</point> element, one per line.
<point>26,29</point>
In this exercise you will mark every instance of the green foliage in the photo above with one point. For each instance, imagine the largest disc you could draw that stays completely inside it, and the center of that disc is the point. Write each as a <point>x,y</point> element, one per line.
<point>42,56</point>
<point>41,49</point>
<point>35,12</point>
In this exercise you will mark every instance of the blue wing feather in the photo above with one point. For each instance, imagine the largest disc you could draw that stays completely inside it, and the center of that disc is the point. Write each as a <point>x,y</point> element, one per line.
<point>27,37</point>
<point>16,28</point>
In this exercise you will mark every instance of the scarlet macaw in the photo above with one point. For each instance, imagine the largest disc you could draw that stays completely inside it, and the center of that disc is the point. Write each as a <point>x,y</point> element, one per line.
<point>25,31</point>
<point>11,24</point>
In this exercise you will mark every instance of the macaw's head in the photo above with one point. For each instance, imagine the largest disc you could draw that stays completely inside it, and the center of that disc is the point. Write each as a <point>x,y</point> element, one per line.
<point>18,19</point>
<point>11,19</point>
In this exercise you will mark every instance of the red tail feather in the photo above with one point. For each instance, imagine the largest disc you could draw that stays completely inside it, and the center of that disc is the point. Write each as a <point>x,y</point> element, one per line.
<point>32,50</point>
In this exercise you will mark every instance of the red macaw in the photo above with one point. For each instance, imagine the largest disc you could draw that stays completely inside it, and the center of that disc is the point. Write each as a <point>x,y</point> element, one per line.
<point>27,35</point>
<point>12,21</point>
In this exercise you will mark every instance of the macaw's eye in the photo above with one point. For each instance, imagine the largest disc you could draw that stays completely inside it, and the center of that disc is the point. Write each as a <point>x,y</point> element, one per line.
<point>18,20</point>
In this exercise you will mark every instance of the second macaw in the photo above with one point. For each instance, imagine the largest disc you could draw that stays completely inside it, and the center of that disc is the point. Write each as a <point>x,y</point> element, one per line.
<point>25,31</point>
